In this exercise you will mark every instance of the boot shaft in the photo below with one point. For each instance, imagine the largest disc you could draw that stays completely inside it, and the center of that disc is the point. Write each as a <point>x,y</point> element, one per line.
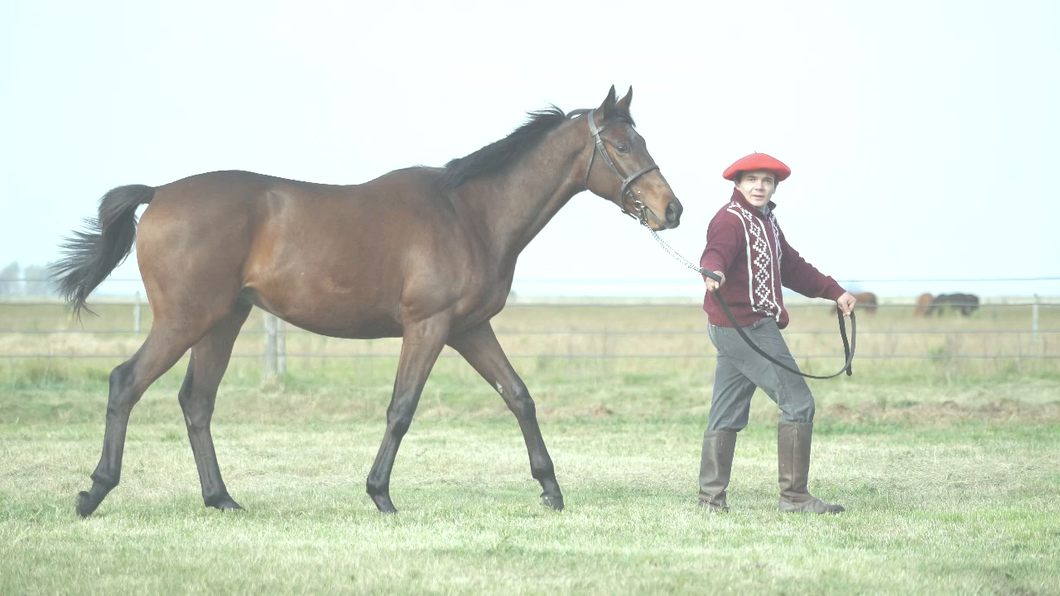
<point>793,456</point>
<point>715,468</point>
<point>793,470</point>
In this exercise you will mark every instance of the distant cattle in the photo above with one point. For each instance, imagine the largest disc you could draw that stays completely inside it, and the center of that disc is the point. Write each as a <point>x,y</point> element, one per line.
<point>923,304</point>
<point>965,303</point>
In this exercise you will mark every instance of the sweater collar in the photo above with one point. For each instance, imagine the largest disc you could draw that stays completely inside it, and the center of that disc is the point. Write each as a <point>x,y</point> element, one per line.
<point>738,197</point>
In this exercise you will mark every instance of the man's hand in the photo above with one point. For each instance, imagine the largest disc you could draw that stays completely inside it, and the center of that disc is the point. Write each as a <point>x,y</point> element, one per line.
<point>846,303</point>
<point>714,285</point>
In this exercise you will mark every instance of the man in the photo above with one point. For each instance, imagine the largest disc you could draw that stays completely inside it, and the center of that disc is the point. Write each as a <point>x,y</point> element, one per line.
<point>748,250</point>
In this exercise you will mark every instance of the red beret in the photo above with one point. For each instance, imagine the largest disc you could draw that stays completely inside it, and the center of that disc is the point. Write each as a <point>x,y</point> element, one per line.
<point>757,161</point>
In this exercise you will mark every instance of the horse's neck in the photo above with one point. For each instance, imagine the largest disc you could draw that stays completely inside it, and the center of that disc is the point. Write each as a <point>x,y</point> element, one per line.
<point>511,208</point>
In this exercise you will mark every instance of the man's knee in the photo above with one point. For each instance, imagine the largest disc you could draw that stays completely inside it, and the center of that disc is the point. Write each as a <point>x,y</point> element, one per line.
<point>728,421</point>
<point>732,428</point>
<point>799,410</point>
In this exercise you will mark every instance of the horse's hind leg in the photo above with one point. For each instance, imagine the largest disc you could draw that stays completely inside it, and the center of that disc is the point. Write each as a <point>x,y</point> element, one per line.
<point>209,359</point>
<point>483,352</point>
<point>163,347</point>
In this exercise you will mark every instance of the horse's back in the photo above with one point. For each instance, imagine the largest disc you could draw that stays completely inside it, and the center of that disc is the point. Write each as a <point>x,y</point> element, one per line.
<point>333,259</point>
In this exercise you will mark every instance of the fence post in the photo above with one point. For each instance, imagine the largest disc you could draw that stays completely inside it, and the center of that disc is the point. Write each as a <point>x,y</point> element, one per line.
<point>1034,319</point>
<point>281,347</point>
<point>136,315</point>
<point>270,346</point>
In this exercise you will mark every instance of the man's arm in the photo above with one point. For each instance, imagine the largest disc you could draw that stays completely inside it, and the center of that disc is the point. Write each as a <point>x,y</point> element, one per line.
<point>724,242</point>
<point>799,275</point>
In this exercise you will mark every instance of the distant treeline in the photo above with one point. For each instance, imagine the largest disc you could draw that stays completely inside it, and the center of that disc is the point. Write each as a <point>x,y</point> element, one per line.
<point>29,281</point>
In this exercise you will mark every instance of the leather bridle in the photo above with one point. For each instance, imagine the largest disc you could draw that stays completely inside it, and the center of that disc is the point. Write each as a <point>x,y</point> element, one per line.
<point>640,211</point>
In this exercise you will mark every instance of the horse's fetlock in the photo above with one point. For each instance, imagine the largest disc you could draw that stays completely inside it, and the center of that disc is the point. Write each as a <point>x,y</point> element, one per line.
<point>546,472</point>
<point>106,481</point>
<point>375,489</point>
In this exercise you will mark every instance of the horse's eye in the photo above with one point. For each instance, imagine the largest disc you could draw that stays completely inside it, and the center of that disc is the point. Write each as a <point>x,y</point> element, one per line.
<point>623,149</point>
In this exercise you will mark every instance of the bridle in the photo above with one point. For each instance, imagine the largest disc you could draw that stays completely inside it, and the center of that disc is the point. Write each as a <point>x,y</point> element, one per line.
<point>640,211</point>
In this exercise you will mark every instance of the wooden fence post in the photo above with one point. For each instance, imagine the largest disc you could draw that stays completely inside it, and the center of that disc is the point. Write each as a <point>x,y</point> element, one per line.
<point>136,316</point>
<point>270,346</point>
<point>1034,319</point>
<point>281,347</point>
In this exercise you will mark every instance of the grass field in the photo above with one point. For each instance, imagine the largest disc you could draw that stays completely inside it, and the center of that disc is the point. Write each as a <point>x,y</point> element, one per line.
<point>949,468</point>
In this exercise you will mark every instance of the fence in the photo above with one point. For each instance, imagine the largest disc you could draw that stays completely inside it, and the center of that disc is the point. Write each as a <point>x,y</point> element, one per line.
<point>575,329</point>
<point>34,327</point>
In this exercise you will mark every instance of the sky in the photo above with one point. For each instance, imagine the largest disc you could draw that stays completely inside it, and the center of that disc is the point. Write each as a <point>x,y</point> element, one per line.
<point>922,136</point>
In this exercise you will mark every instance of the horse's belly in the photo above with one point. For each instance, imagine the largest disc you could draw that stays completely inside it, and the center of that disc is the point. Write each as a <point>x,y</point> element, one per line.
<point>335,315</point>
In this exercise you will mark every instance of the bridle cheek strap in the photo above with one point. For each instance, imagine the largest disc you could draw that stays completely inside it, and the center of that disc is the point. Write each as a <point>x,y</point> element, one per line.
<point>639,211</point>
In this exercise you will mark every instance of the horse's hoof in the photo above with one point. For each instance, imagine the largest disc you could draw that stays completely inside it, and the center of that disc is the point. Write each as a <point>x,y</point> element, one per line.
<point>85,506</point>
<point>553,501</point>
<point>226,504</point>
<point>383,503</point>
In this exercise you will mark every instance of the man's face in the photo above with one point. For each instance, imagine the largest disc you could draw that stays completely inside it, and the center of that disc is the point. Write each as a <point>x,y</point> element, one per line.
<point>758,187</point>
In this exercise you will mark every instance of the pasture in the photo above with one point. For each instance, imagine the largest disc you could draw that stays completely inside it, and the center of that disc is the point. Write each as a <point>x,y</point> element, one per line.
<point>948,466</point>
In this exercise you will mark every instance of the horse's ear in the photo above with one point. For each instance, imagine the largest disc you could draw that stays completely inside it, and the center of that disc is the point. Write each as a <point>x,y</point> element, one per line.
<point>609,103</point>
<point>626,100</point>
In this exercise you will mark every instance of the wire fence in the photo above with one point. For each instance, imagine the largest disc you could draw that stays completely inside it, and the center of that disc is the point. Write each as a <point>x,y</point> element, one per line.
<point>994,328</point>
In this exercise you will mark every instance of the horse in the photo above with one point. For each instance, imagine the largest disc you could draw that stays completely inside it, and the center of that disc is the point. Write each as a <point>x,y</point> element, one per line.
<point>867,301</point>
<point>965,303</point>
<point>923,305</point>
<point>425,254</point>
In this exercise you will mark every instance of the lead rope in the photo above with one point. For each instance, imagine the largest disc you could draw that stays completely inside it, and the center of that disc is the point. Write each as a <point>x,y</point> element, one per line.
<point>848,348</point>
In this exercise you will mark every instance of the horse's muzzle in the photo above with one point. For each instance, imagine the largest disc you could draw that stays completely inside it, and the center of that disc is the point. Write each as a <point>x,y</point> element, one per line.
<point>673,214</point>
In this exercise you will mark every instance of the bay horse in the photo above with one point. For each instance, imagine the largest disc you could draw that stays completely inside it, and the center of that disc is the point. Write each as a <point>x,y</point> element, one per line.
<point>424,254</point>
<point>868,301</point>
<point>923,305</point>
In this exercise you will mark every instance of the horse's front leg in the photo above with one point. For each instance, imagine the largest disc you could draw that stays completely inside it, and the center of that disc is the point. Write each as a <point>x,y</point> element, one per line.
<point>483,352</point>
<point>422,341</point>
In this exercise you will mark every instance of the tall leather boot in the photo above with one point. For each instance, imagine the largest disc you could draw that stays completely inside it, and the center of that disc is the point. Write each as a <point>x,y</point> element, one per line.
<point>714,469</point>
<point>793,455</point>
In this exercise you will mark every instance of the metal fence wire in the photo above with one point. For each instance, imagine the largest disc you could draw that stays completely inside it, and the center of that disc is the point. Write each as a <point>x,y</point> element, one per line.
<point>1011,328</point>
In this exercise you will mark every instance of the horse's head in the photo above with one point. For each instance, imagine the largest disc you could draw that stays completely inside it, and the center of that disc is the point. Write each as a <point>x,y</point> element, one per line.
<point>625,172</point>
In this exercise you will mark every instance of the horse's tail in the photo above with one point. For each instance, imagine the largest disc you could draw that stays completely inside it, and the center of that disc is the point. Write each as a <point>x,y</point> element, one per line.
<point>91,255</point>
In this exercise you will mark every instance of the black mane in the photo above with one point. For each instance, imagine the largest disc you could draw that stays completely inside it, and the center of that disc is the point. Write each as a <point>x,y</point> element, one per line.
<point>500,154</point>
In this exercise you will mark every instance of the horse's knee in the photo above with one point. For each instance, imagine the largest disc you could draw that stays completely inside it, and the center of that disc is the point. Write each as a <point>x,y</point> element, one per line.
<point>197,413</point>
<point>399,416</point>
<point>519,401</point>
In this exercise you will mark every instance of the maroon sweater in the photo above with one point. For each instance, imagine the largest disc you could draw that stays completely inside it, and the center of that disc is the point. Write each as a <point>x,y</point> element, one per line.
<point>757,260</point>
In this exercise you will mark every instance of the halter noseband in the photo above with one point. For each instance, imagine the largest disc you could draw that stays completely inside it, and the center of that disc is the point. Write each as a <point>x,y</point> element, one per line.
<point>639,207</point>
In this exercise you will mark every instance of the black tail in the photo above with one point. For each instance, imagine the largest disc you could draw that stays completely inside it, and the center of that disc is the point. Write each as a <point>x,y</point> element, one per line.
<point>91,255</point>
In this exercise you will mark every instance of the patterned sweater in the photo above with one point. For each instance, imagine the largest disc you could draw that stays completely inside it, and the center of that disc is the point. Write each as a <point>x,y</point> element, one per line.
<point>749,247</point>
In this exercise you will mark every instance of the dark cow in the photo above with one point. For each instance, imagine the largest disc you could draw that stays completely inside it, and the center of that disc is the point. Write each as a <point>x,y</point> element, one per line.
<point>965,303</point>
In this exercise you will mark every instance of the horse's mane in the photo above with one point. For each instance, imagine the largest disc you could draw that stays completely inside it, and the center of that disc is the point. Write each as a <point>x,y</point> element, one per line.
<point>500,154</point>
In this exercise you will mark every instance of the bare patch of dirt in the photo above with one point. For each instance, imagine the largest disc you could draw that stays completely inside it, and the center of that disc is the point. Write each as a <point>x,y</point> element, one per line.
<point>944,412</point>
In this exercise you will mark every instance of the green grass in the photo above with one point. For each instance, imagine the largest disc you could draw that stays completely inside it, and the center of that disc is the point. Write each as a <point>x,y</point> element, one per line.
<point>950,469</point>
<point>956,489</point>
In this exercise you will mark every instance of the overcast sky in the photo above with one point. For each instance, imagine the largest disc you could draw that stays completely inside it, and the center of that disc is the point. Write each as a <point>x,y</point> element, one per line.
<point>922,135</point>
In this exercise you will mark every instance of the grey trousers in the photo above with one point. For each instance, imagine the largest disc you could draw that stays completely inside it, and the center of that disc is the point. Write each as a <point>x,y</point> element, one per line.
<point>740,369</point>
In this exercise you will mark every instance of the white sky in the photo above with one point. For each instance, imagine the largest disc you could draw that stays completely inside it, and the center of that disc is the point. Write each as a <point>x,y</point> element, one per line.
<point>922,135</point>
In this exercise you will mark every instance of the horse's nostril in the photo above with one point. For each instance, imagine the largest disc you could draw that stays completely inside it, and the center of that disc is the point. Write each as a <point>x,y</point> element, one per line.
<point>672,213</point>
